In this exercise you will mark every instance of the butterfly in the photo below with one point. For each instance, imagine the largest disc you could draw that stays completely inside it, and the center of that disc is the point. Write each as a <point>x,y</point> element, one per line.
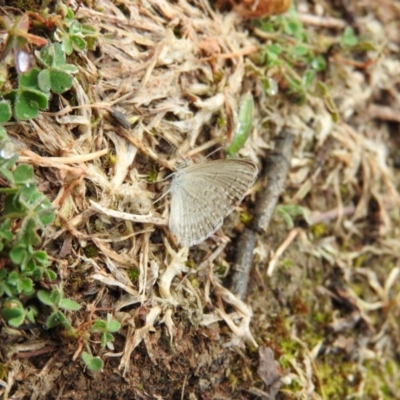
<point>203,194</point>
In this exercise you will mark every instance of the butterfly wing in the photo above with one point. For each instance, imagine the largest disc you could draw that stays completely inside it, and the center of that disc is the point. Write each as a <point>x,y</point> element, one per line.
<point>203,194</point>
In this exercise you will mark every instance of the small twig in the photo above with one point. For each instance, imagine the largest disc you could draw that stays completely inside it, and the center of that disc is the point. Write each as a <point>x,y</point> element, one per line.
<point>275,173</point>
<point>241,267</point>
<point>30,156</point>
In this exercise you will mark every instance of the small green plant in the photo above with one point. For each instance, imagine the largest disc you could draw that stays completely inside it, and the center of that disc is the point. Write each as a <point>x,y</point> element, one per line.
<point>56,301</point>
<point>106,328</point>
<point>348,39</point>
<point>291,54</point>
<point>25,211</point>
<point>35,85</point>
<point>56,75</point>
<point>74,35</point>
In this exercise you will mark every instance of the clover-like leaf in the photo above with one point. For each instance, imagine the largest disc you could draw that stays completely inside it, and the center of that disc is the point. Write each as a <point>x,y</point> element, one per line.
<point>68,304</point>
<point>57,318</point>
<point>28,102</point>
<point>19,254</point>
<point>13,311</point>
<point>44,297</point>
<point>95,364</point>
<point>5,111</point>
<point>23,174</point>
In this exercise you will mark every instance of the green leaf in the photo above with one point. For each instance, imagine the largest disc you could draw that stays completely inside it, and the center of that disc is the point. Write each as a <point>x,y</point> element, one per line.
<point>23,174</point>
<point>5,111</point>
<point>75,28</point>
<point>13,278</point>
<point>27,286</point>
<point>348,39</point>
<point>55,319</point>
<point>44,80</point>
<point>60,81</point>
<point>8,156</point>
<point>41,258</point>
<point>88,30</point>
<point>95,364</point>
<point>5,231</point>
<point>46,214</point>
<point>13,311</point>
<point>28,234</point>
<point>99,326</point>
<point>58,55</point>
<point>36,272</point>
<point>5,288</point>
<point>19,254</point>
<point>45,56</point>
<point>49,275</point>
<point>300,50</point>
<point>68,304</point>
<point>113,326</point>
<point>12,205</point>
<point>31,313</point>
<point>30,197</point>
<point>244,124</point>
<point>29,80</point>
<point>28,103</point>
<point>106,338</point>
<point>308,78</point>
<point>79,43</point>
<point>67,45</point>
<point>56,296</point>
<point>14,317</point>
<point>44,297</point>
<point>318,63</point>
<point>69,13</point>
<point>273,51</point>
<point>8,153</point>
<point>3,134</point>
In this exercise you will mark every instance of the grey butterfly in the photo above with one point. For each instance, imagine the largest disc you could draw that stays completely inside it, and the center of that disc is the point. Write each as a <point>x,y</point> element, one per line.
<point>203,194</point>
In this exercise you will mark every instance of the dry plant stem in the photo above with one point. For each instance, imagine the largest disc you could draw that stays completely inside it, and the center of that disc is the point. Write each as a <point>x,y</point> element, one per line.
<point>275,173</point>
<point>143,219</point>
<point>281,249</point>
